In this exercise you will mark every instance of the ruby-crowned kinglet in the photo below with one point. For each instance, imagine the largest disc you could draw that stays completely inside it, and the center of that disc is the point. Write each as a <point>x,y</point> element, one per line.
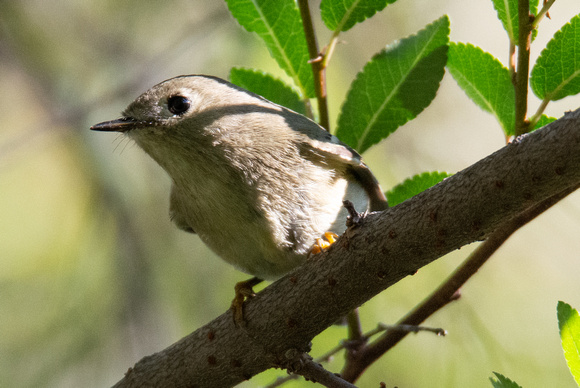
<point>257,182</point>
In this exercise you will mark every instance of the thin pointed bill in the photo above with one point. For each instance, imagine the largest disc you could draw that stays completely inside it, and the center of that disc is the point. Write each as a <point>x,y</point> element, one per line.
<point>123,124</point>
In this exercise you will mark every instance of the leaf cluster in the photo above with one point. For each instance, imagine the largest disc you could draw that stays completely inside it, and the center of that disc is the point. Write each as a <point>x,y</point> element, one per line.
<point>395,85</point>
<point>401,80</point>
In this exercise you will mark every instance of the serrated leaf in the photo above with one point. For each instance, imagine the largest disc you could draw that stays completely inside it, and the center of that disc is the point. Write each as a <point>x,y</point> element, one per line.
<point>394,87</point>
<point>556,73</point>
<point>502,382</point>
<point>484,79</point>
<point>543,121</point>
<point>569,325</point>
<point>279,25</point>
<point>268,87</point>
<point>507,12</point>
<point>342,15</point>
<point>413,186</point>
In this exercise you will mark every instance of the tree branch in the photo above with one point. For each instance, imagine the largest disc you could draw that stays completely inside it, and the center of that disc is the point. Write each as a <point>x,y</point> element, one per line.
<point>386,247</point>
<point>448,291</point>
<point>314,372</point>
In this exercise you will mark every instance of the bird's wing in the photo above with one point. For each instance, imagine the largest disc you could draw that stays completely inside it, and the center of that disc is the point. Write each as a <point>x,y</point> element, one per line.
<point>336,154</point>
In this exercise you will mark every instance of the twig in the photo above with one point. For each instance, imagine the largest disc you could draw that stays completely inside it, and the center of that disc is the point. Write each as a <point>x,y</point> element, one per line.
<point>543,12</point>
<point>354,218</point>
<point>355,333</point>
<point>313,371</point>
<point>413,329</point>
<point>381,327</point>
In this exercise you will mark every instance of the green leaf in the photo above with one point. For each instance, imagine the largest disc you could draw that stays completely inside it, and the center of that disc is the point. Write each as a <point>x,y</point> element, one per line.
<point>279,24</point>
<point>484,79</point>
<point>268,87</point>
<point>544,120</point>
<point>342,15</point>
<point>413,186</point>
<point>502,382</point>
<point>556,73</point>
<point>569,324</point>
<point>394,87</point>
<point>507,12</point>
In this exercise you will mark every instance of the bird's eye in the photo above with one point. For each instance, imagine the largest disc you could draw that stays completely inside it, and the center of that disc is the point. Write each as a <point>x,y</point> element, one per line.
<point>178,105</point>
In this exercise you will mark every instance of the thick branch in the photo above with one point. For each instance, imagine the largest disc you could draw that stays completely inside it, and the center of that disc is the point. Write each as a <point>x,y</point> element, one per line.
<point>388,246</point>
<point>448,291</point>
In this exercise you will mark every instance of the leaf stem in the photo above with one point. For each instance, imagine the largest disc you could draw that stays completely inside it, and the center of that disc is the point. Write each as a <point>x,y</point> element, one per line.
<point>318,70</point>
<point>329,49</point>
<point>543,12</point>
<point>523,67</point>
<point>536,117</point>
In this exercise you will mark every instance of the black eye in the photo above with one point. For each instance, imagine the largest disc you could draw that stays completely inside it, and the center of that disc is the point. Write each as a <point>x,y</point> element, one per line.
<point>178,105</point>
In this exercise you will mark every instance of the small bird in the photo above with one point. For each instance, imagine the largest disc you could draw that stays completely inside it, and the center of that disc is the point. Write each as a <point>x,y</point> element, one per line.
<point>257,182</point>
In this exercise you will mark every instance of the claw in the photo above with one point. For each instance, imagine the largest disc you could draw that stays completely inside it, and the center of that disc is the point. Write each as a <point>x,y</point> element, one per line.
<point>321,245</point>
<point>244,290</point>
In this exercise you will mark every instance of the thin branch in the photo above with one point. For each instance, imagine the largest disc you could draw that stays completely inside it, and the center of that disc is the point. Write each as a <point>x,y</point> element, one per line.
<point>523,69</point>
<point>381,327</point>
<point>413,329</point>
<point>313,371</point>
<point>318,70</point>
<point>449,290</point>
<point>354,327</point>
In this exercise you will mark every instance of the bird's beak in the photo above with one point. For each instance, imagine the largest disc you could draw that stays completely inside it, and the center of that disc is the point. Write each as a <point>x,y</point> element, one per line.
<point>123,124</point>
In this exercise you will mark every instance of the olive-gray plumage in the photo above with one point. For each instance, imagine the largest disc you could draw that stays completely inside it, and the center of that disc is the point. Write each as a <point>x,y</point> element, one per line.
<point>257,182</point>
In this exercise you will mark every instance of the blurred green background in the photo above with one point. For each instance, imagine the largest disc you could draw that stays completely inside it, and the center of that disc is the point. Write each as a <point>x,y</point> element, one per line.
<point>93,275</point>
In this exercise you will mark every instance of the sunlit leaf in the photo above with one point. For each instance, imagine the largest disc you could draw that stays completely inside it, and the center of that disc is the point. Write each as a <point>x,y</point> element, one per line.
<point>556,73</point>
<point>569,324</point>
<point>268,87</point>
<point>279,24</point>
<point>342,15</point>
<point>413,186</point>
<point>544,120</point>
<point>484,79</point>
<point>507,12</point>
<point>394,87</point>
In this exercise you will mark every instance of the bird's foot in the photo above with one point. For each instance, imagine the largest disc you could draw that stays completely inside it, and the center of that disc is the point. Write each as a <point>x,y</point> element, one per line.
<point>244,290</point>
<point>322,244</point>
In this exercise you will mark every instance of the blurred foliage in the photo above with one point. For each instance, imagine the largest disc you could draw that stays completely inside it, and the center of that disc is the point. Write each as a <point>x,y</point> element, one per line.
<point>93,276</point>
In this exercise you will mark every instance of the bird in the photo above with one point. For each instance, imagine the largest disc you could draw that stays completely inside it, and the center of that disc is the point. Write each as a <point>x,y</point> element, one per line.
<point>258,183</point>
